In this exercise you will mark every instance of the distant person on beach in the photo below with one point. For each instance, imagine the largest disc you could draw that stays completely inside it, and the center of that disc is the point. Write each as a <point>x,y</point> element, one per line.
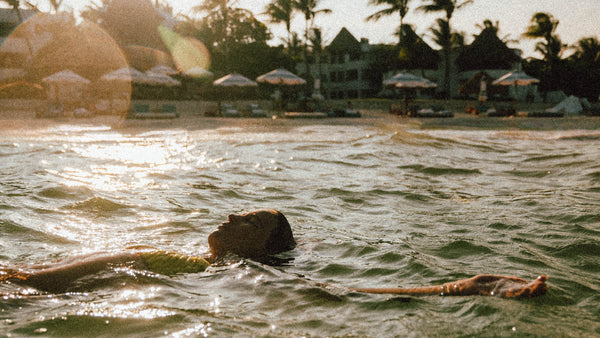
<point>255,235</point>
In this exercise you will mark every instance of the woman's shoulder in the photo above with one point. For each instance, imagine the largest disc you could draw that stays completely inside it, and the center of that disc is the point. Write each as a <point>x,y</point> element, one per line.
<point>172,263</point>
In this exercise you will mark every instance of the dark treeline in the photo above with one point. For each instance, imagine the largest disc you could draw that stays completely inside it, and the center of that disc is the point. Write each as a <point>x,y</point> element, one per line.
<point>238,42</point>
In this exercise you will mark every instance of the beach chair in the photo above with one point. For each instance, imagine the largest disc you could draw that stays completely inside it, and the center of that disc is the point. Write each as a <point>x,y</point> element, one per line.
<point>169,110</point>
<point>229,110</point>
<point>138,110</point>
<point>502,110</point>
<point>254,110</point>
<point>436,110</point>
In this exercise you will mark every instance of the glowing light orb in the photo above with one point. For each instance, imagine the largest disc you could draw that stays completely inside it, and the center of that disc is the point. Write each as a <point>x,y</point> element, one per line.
<point>189,55</point>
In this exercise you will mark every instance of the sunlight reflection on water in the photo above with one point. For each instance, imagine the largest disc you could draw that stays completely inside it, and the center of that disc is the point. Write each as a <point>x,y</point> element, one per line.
<point>369,207</point>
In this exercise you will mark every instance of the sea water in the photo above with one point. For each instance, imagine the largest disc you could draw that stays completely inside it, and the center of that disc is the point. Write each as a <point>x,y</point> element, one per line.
<point>370,206</point>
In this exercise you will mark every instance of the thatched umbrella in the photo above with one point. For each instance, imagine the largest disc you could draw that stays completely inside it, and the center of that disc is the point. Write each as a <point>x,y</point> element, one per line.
<point>234,80</point>
<point>407,81</point>
<point>516,79</point>
<point>281,77</point>
<point>66,86</point>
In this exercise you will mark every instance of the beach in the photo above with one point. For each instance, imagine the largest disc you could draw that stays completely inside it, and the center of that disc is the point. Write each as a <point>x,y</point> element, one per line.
<point>372,113</point>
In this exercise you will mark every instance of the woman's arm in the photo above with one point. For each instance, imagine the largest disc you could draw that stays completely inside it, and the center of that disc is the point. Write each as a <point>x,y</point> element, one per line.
<point>58,276</point>
<point>485,285</point>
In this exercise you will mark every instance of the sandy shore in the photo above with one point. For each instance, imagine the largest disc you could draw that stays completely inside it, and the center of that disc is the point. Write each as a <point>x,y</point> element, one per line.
<point>15,120</point>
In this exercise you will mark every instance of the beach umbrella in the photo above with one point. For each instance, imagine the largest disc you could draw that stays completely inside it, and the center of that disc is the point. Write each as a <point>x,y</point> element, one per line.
<point>407,81</point>
<point>163,69</point>
<point>126,74</point>
<point>197,72</point>
<point>234,80</point>
<point>66,85</point>
<point>65,76</point>
<point>281,76</point>
<point>516,79</point>
<point>159,79</point>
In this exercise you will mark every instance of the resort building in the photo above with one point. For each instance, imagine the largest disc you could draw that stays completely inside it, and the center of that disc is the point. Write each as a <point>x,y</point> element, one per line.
<point>342,70</point>
<point>345,71</point>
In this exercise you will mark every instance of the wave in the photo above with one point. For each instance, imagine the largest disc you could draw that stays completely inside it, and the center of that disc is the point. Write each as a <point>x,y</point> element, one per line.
<point>97,205</point>
<point>62,192</point>
<point>440,171</point>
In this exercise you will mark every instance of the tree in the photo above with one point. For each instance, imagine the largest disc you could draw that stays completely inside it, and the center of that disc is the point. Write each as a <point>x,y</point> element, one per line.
<point>129,22</point>
<point>447,6</point>
<point>445,30</point>
<point>543,25</point>
<point>224,27</point>
<point>587,50</point>
<point>282,11</point>
<point>15,6</point>
<point>55,4</point>
<point>310,11</point>
<point>316,41</point>
<point>395,6</point>
<point>585,64</point>
<point>447,40</point>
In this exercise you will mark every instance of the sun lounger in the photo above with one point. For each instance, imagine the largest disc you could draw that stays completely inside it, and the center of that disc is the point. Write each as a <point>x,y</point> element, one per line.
<point>305,115</point>
<point>436,111</point>
<point>546,114</point>
<point>142,111</point>
<point>53,110</point>
<point>229,110</point>
<point>254,110</point>
<point>169,109</point>
<point>502,110</point>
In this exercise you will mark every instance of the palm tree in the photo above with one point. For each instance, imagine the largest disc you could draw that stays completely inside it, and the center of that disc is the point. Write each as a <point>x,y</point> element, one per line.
<point>55,4</point>
<point>316,41</point>
<point>309,9</point>
<point>447,6</point>
<point>447,40</point>
<point>399,6</point>
<point>587,50</point>
<point>543,25</point>
<point>221,9</point>
<point>281,11</point>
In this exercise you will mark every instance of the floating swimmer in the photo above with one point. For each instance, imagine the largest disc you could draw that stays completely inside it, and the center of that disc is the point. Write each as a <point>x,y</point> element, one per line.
<point>254,235</point>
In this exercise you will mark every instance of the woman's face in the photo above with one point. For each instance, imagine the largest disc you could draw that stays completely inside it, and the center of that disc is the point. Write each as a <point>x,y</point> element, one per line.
<point>245,235</point>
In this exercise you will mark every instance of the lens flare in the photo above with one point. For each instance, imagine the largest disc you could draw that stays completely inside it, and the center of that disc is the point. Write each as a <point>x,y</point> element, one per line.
<point>190,55</point>
<point>47,44</point>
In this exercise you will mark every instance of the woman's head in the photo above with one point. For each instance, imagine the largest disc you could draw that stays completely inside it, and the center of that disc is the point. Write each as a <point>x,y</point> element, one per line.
<point>254,234</point>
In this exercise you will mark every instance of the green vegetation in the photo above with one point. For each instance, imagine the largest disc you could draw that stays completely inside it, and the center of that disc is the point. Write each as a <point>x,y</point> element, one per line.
<point>238,42</point>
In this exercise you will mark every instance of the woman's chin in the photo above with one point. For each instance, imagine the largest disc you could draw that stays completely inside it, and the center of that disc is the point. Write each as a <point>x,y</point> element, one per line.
<point>215,243</point>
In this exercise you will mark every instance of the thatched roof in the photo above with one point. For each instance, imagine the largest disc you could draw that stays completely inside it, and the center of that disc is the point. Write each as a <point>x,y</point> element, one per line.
<point>487,52</point>
<point>344,41</point>
<point>414,53</point>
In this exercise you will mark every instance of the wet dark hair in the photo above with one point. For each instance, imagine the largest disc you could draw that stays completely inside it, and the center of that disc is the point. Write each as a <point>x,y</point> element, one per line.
<point>281,238</point>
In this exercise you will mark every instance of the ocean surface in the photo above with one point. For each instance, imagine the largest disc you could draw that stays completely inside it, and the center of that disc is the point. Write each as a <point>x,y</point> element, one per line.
<point>370,206</point>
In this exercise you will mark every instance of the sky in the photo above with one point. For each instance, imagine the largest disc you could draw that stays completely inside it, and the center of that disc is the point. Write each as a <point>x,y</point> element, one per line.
<point>578,19</point>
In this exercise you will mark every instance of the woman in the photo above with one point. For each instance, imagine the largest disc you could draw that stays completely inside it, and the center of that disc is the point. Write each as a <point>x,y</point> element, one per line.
<point>255,235</point>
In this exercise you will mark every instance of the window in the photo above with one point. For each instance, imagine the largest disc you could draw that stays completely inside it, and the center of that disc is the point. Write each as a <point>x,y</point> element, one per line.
<point>352,75</point>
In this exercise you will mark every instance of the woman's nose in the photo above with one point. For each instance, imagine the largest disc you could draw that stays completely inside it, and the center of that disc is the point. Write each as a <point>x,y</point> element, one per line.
<point>233,218</point>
